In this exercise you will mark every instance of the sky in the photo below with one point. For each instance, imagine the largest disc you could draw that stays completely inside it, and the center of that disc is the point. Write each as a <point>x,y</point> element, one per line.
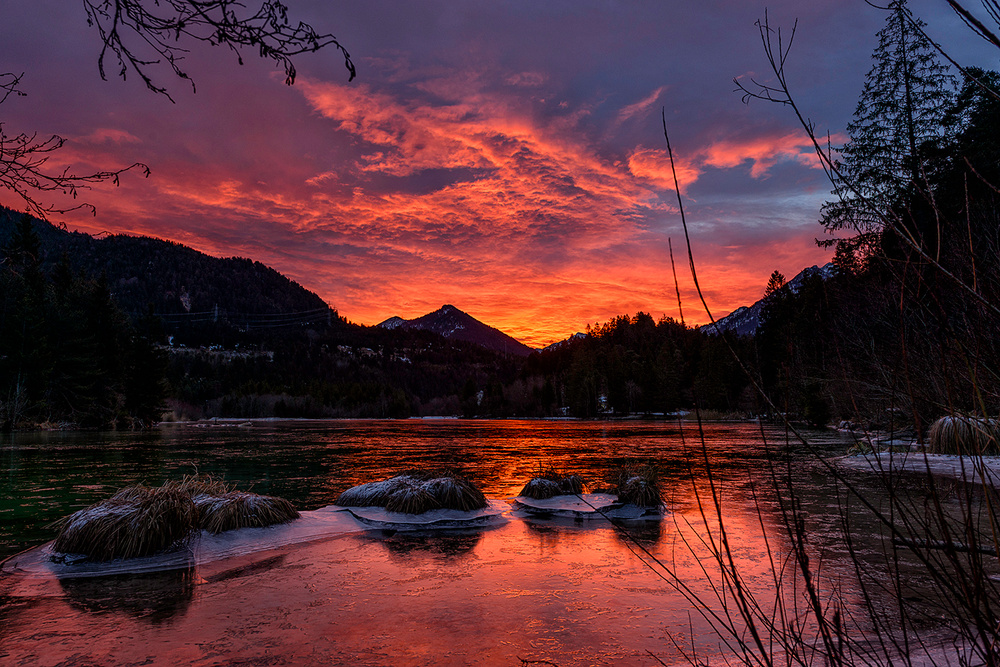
<point>504,157</point>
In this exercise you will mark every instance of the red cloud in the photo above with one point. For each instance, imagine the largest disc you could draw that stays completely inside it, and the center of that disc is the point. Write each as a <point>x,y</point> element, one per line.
<point>455,192</point>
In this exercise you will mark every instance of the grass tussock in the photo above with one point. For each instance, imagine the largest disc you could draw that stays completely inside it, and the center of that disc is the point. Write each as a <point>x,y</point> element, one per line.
<point>136,521</point>
<point>416,492</point>
<point>963,434</point>
<point>551,484</point>
<point>412,499</point>
<point>195,485</point>
<point>238,509</point>
<point>140,520</point>
<point>638,485</point>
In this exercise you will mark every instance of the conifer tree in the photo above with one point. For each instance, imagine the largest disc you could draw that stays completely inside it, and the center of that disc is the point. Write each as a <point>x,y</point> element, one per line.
<point>899,118</point>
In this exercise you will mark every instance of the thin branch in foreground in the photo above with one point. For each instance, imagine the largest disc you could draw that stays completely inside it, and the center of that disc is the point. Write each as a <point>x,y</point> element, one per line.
<point>24,164</point>
<point>138,36</point>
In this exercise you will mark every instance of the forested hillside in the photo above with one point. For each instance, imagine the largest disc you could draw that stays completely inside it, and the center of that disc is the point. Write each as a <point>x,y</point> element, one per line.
<point>151,275</point>
<point>68,354</point>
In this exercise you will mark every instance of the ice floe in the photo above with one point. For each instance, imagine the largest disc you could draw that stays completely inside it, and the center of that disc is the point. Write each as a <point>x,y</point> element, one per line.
<point>439,518</point>
<point>585,506</point>
<point>981,469</point>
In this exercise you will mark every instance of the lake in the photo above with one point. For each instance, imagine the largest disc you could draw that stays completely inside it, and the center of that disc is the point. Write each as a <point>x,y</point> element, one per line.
<point>567,591</point>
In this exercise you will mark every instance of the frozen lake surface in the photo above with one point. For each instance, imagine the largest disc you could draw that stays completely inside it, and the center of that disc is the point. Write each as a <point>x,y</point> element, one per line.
<point>329,589</point>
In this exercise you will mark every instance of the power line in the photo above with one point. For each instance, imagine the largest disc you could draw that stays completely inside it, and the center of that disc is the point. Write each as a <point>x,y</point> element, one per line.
<point>250,320</point>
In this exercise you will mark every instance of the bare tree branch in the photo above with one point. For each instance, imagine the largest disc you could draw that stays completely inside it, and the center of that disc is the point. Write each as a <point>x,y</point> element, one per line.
<point>139,34</point>
<point>977,26</point>
<point>23,159</point>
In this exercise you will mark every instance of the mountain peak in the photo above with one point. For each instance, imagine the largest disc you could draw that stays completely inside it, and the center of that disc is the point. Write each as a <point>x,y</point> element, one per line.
<point>744,320</point>
<point>393,322</point>
<point>452,323</point>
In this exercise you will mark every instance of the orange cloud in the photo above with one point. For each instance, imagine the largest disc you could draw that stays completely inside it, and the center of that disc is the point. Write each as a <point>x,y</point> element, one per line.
<point>453,192</point>
<point>764,152</point>
<point>641,107</point>
<point>653,165</point>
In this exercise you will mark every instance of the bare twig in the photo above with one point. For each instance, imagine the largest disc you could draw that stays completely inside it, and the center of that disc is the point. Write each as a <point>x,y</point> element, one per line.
<point>139,34</point>
<point>24,164</point>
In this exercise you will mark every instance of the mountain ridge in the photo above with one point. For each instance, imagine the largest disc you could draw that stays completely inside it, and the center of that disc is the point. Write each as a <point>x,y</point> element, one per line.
<point>144,273</point>
<point>745,320</point>
<point>455,324</point>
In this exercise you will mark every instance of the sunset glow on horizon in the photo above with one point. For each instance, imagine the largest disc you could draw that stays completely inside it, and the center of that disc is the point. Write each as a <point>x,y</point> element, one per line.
<point>509,161</point>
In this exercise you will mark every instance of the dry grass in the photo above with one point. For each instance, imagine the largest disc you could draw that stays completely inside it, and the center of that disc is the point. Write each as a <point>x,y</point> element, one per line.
<point>238,509</point>
<point>638,485</point>
<point>455,493</point>
<point>373,494</point>
<point>412,499</point>
<point>962,434</point>
<point>140,521</point>
<point>416,492</point>
<point>194,485</point>
<point>571,484</point>
<point>551,484</point>
<point>541,488</point>
<point>136,521</point>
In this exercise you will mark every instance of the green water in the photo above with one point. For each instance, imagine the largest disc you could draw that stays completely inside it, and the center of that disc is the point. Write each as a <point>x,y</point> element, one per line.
<point>50,474</point>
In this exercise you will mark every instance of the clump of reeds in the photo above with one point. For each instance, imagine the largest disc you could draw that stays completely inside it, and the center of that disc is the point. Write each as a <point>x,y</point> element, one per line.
<point>551,484</point>
<point>638,485</point>
<point>372,494</point>
<point>412,499</point>
<point>964,434</point>
<point>136,521</point>
<point>140,521</point>
<point>541,488</point>
<point>239,509</point>
<point>416,492</point>
<point>195,485</point>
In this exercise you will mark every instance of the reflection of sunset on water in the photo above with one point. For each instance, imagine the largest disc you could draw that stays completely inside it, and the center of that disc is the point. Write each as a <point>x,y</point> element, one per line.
<point>551,588</point>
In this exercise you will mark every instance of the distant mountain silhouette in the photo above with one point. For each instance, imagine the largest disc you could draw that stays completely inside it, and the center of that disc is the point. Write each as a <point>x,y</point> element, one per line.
<point>745,320</point>
<point>145,273</point>
<point>565,341</point>
<point>451,323</point>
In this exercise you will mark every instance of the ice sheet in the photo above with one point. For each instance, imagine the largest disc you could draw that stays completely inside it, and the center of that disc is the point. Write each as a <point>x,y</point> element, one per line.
<point>203,547</point>
<point>378,516</point>
<point>585,505</point>
<point>981,469</point>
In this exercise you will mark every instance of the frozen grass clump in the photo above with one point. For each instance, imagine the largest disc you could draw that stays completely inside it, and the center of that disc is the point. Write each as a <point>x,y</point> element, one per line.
<point>540,488</point>
<point>416,492</point>
<point>195,485</point>
<point>550,484</point>
<point>136,521</point>
<point>239,509</point>
<point>373,494</point>
<point>455,492</point>
<point>571,484</point>
<point>141,521</point>
<point>638,485</point>
<point>412,499</point>
<point>963,434</point>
